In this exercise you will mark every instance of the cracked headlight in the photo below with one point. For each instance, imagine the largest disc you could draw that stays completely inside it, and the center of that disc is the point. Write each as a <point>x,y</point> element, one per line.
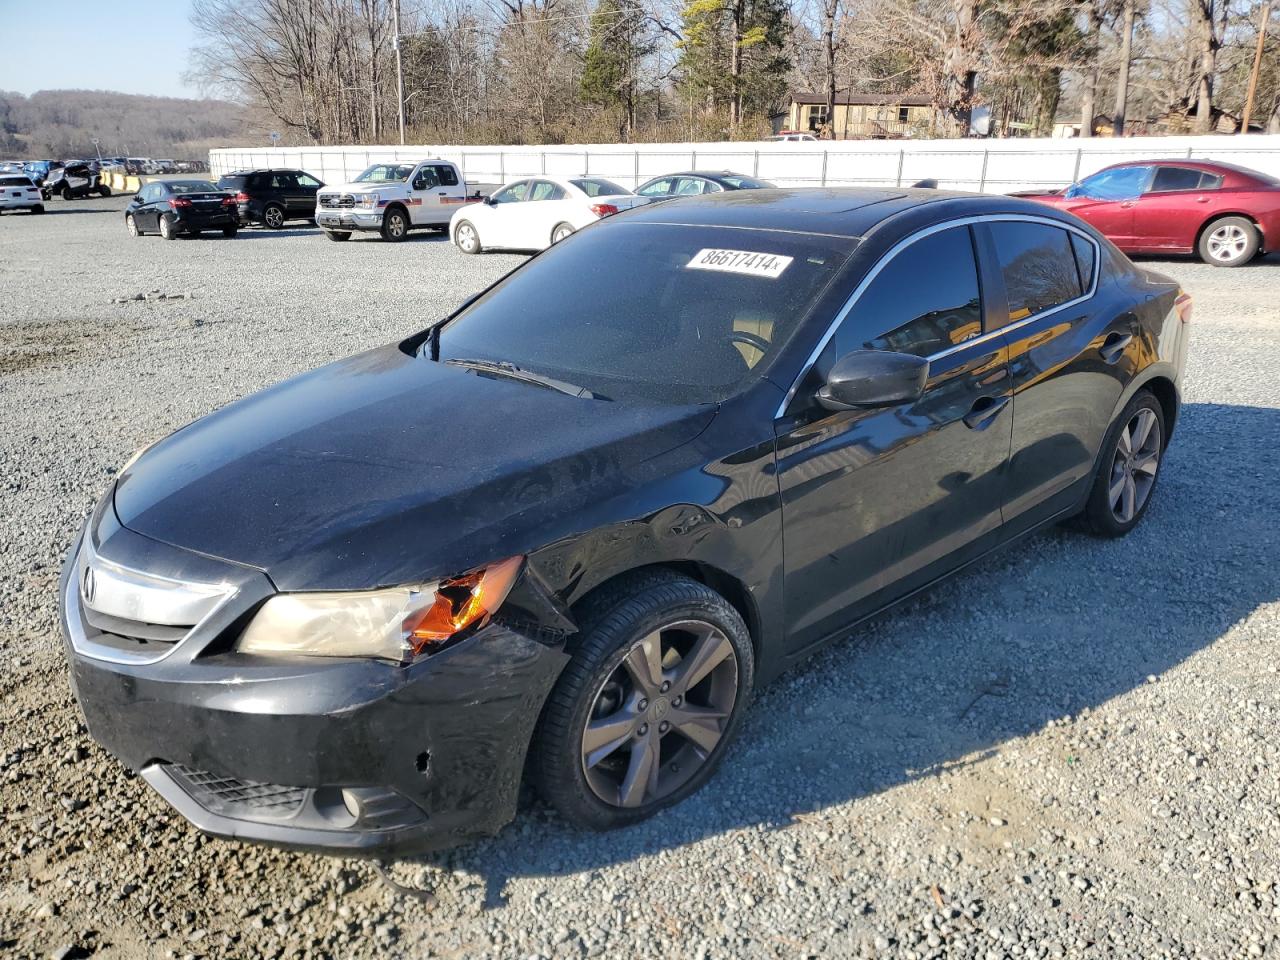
<point>397,623</point>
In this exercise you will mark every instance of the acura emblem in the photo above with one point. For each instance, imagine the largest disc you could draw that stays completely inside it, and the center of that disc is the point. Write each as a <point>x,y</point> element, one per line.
<point>88,587</point>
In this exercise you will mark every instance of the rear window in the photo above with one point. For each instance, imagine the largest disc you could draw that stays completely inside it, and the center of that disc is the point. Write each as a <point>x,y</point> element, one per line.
<point>745,183</point>
<point>595,187</point>
<point>236,182</point>
<point>655,313</point>
<point>191,186</point>
<point>1038,264</point>
<point>15,182</point>
<point>1183,178</point>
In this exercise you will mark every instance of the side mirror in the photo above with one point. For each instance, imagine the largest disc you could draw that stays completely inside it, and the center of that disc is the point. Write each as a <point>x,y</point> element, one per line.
<point>489,201</point>
<point>873,378</point>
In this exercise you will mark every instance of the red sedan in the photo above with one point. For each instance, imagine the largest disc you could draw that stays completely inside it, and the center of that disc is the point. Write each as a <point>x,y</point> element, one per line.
<point>1226,214</point>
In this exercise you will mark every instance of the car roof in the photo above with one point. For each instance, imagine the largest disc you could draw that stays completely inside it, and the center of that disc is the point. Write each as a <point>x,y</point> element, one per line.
<point>834,211</point>
<point>1208,166</point>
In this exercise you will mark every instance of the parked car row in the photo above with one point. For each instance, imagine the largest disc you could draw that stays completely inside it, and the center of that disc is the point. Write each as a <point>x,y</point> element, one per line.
<point>1224,213</point>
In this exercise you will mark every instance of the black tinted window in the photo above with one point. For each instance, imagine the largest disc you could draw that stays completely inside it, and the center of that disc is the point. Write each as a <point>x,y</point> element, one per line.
<point>652,312</point>
<point>447,176</point>
<point>1038,265</point>
<point>1086,254</point>
<point>231,183</point>
<point>923,301</point>
<point>1175,178</point>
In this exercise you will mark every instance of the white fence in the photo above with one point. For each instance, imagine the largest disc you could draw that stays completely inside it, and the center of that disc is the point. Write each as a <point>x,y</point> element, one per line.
<point>989,166</point>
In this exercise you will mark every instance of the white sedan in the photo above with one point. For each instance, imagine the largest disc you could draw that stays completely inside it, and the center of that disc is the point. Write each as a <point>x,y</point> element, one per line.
<point>535,213</point>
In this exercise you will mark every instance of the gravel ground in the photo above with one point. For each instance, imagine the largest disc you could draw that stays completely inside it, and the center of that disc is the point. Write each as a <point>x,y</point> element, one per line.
<point>1068,751</point>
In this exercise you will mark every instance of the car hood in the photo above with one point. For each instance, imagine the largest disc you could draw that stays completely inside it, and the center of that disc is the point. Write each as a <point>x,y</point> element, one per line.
<point>358,187</point>
<point>386,468</point>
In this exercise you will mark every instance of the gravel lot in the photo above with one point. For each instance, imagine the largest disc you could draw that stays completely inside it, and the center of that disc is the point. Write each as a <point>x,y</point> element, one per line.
<point>1070,750</point>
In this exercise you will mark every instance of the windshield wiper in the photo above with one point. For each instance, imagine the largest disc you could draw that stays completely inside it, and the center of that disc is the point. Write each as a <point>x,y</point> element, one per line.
<point>504,368</point>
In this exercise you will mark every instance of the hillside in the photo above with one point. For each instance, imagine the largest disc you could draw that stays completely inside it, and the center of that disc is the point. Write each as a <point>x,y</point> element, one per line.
<point>63,123</point>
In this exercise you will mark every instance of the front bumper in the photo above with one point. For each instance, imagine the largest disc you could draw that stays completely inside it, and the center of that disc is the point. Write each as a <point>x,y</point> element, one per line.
<point>348,219</point>
<point>338,755</point>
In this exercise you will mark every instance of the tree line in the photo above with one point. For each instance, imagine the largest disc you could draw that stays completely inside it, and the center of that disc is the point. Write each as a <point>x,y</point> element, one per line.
<point>62,124</point>
<point>557,71</point>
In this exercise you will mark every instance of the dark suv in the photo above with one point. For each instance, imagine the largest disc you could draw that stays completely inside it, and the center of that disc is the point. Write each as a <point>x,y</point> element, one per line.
<point>271,197</point>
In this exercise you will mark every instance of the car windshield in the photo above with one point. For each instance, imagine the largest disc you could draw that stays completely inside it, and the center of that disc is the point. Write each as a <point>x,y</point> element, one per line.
<point>595,187</point>
<point>1119,183</point>
<point>743,183</point>
<point>652,313</point>
<point>191,186</point>
<point>386,173</point>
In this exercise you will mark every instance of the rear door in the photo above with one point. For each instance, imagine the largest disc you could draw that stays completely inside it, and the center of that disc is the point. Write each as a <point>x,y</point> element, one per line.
<point>1171,210</point>
<point>879,502</point>
<point>1071,346</point>
<point>546,207</point>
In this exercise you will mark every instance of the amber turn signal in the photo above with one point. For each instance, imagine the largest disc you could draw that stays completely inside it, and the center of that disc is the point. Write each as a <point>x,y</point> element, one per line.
<point>463,602</point>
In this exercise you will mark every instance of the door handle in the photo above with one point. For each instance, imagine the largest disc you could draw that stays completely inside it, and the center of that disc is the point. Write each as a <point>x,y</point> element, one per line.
<point>1128,203</point>
<point>984,411</point>
<point>1202,199</point>
<point>1113,347</point>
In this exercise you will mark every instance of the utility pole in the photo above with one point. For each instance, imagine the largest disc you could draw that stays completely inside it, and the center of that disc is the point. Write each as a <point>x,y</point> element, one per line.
<point>1257,67</point>
<point>395,45</point>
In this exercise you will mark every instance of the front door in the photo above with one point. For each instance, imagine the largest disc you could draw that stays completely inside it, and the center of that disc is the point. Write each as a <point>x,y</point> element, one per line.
<point>425,208</point>
<point>879,502</point>
<point>1107,200</point>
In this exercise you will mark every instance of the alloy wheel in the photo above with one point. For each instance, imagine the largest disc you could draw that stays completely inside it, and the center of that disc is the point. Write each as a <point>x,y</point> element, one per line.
<point>132,225</point>
<point>561,232</point>
<point>1134,467</point>
<point>273,217</point>
<point>1228,242</point>
<point>660,714</point>
<point>466,238</point>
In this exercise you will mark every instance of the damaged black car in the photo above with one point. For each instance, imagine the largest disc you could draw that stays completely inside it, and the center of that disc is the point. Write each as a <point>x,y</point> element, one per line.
<point>566,532</point>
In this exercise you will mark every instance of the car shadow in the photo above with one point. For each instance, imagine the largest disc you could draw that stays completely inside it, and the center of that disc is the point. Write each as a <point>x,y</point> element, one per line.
<point>262,233</point>
<point>993,654</point>
<point>1268,259</point>
<point>415,236</point>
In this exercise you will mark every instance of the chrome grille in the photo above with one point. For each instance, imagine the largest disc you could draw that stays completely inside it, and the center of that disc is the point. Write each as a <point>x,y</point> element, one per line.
<point>135,616</point>
<point>333,201</point>
<point>231,797</point>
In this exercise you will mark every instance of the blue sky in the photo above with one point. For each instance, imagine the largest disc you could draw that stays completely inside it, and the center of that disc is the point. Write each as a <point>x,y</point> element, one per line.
<point>135,47</point>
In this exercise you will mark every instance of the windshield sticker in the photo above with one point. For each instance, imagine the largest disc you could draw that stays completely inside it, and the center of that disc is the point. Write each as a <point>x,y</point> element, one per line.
<point>740,261</point>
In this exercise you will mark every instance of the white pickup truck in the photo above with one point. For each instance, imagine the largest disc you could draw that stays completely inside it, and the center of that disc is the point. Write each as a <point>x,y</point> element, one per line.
<point>393,198</point>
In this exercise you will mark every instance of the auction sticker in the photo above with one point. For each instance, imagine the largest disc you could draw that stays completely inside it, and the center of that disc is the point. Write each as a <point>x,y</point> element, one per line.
<point>740,261</point>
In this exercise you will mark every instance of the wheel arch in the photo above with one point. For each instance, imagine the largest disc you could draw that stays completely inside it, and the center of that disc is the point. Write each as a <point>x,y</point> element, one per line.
<point>397,205</point>
<point>1158,380</point>
<point>721,581</point>
<point>1223,214</point>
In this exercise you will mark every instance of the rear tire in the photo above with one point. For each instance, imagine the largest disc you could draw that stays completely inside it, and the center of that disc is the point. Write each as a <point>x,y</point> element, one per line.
<point>337,236</point>
<point>611,748</point>
<point>395,225</point>
<point>467,238</point>
<point>167,229</point>
<point>560,232</point>
<point>1128,468</point>
<point>1229,242</point>
<point>230,231</point>
<point>273,216</point>
<point>104,191</point>
<point>66,193</point>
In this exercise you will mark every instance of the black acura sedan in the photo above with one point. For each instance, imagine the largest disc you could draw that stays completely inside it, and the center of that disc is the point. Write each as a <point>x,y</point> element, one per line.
<point>566,532</point>
<point>174,207</point>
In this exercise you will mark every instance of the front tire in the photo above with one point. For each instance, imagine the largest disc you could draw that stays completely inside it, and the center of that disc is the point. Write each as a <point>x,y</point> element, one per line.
<point>337,236</point>
<point>273,216</point>
<point>230,231</point>
<point>1128,468</point>
<point>66,193</point>
<point>467,238</point>
<point>132,225</point>
<point>167,229</point>
<point>104,191</point>
<point>1229,242</point>
<point>643,713</point>
<point>38,208</point>
<point>395,225</point>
